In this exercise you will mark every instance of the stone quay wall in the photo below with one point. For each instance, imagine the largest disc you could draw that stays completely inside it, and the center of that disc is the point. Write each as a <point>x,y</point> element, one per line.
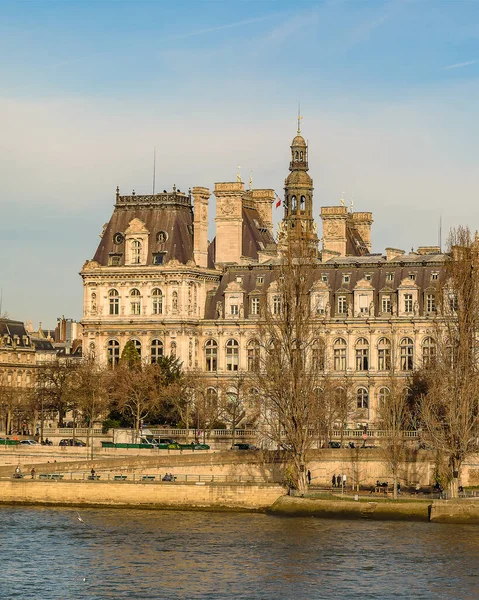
<point>140,495</point>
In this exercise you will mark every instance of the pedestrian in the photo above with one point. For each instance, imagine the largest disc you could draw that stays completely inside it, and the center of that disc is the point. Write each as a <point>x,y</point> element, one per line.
<point>339,478</point>
<point>344,482</point>
<point>333,481</point>
<point>32,472</point>
<point>309,477</point>
<point>92,473</point>
<point>17,470</point>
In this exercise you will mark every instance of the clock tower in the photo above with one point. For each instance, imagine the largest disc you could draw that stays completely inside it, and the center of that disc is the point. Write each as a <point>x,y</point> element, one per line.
<point>298,222</point>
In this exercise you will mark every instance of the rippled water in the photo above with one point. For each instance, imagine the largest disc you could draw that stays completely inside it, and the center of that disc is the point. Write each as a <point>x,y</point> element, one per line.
<point>49,554</point>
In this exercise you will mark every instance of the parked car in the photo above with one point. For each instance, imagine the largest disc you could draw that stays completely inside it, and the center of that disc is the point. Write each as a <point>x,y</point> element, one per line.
<point>71,442</point>
<point>29,443</point>
<point>333,444</point>
<point>242,446</point>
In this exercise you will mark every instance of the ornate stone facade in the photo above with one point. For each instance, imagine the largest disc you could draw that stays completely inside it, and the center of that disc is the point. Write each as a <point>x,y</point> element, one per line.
<point>156,280</point>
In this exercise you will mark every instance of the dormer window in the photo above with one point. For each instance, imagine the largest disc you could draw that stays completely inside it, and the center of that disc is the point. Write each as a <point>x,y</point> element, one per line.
<point>136,252</point>
<point>389,276</point>
<point>324,278</point>
<point>434,276</point>
<point>239,279</point>
<point>346,278</point>
<point>158,258</point>
<point>114,260</point>
<point>161,237</point>
<point>234,309</point>
<point>260,280</point>
<point>412,276</point>
<point>368,276</point>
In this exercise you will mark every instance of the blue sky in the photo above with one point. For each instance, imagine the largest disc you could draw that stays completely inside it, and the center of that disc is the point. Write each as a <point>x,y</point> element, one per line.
<point>388,91</point>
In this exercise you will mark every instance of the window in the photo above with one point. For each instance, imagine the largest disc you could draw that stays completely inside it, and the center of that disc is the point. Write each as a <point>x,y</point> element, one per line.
<point>253,351</point>
<point>324,278</point>
<point>430,303</point>
<point>302,203</point>
<point>346,278</point>
<point>260,280</point>
<point>362,355</point>
<point>113,353</point>
<point>156,350</point>
<point>114,260</point>
<point>158,258</point>
<point>412,276</point>
<point>276,305</point>
<point>318,352</point>
<point>293,203</point>
<point>114,302</point>
<point>161,237</point>
<point>135,252</point>
<point>408,303</point>
<point>93,302</point>
<point>383,397</point>
<point>211,355</point>
<point>232,355</point>
<point>157,301</point>
<point>384,354</point>
<point>362,398</point>
<point>434,276</point>
<point>368,276</point>
<point>339,354</point>
<point>363,302</point>
<point>428,351</point>
<point>255,306</point>
<point>386,304</point>
<point>234,309</point>
<point>137,345</point>
<point>407,354</point>
<point>342,305</point>
<point>389,276</point>
<point>239,279</point>
<point>135,302</point>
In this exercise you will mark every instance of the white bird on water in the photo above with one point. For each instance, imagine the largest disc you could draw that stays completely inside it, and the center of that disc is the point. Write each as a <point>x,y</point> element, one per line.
<point>79,518</point>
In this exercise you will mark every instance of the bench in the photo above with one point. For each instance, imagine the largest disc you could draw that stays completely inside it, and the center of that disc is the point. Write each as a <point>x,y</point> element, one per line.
<point>56,476</point>
<point>44,476</point>
<point>120,477</point>
<point>148,478</point>
<point>93,477</point>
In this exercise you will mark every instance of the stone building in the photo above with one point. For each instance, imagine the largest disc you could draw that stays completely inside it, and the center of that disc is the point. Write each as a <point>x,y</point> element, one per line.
<point>156,280</point>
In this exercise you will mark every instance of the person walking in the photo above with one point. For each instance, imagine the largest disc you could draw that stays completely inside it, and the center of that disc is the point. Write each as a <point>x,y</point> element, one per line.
<point>333,481</point>
<point>32,472</point>
<point>339,478</point>
<point>309,477</point>
<point>344,482</point>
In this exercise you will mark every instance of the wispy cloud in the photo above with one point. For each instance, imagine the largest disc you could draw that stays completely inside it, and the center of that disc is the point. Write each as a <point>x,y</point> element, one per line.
<point>460,65</point>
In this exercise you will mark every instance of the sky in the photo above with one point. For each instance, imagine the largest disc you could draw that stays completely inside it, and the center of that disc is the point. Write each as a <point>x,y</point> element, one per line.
<point>388,93</point>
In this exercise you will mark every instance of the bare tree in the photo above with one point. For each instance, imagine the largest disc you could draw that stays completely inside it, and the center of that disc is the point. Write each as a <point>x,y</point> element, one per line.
<point>232,402</point>
<point>449,408</point>
<point>286,380</point>
<point>53,385</point>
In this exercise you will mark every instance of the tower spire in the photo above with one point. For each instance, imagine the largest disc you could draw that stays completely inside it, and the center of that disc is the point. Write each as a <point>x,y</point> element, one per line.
<point>299,118</point>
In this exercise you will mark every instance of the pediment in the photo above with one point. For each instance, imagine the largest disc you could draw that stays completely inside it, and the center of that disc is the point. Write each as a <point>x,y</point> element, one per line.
<point>408,283</point>
<point>320,286</point>
<point>363,284</point>
<point>136,226</point>
<point>234,286</point>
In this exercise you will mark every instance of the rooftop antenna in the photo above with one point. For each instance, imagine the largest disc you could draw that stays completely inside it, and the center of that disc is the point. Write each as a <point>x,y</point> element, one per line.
<point>440,234</point>
<point>299,118</point>
<point>154,169</point>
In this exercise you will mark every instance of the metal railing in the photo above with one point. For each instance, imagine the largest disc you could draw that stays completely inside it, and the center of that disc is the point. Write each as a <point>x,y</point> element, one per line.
<point>149,477</point>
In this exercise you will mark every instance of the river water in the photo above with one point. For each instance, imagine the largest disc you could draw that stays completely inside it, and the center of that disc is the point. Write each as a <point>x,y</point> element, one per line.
<point>49,554</point>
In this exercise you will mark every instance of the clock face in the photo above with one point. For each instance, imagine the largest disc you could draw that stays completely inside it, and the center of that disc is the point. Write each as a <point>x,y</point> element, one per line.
<point>118,238</point>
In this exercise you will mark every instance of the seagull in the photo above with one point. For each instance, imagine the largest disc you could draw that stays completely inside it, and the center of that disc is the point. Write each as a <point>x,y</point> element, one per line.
<point>79,518</point>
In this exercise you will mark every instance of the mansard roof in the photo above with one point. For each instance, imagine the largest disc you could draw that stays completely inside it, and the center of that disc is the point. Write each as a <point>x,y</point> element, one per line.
<point>256,236</point>
<point>171,213</point>
<point>13,331</point>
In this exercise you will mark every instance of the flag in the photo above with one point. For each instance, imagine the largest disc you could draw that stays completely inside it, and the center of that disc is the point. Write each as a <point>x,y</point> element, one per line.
<point>278,201</point>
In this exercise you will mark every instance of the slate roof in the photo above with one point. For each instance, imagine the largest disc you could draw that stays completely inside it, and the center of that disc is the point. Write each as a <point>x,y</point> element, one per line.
<point>14,330</point>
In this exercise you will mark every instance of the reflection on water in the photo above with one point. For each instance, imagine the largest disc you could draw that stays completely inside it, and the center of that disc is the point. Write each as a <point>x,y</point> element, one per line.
<point>50,554</point>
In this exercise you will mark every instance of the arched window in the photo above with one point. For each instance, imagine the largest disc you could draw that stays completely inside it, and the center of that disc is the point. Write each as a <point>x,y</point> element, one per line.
<point>173,349</point>
<point>429,351</point>
<point>157,301</point>
<point>318,353</point>
<point>232,355</point>
<point>302,203</point>
<point>135,302</point>
<point>294,204</point>
<point>339,354</point>
<point>296,155</point>
<point>362,398</point>
<point>135,252</point>
<point>113,352</point>
<point>137,345</point>
<point>211,401</point>
<point>384,354</point>
<point>211,355</point>
<point>174,301</point>
<point>301,155</point>
<point>156,350</point>
<point>362,355</point>
<point>253,351</point>
<point>114,302</point>
<point>407,354</point>
<point>383,396</point>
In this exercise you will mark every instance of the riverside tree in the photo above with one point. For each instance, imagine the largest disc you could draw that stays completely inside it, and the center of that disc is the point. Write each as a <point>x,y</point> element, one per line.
<point>449,406</point>
<point>287,379</point>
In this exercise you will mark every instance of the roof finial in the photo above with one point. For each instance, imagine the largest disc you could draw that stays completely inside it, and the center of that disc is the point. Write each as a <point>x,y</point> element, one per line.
<point>299,118</point>
<point>238,175</point>
<point>251,180</point>
<point>341,201</point>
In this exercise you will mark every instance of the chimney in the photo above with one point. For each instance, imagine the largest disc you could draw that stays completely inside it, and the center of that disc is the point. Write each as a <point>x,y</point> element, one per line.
<point>200,241</point>
<point>334,220</point>
<point>229,221</point>
<point>392,253</point>
<point>263,202</point>
<point>362,222</point>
